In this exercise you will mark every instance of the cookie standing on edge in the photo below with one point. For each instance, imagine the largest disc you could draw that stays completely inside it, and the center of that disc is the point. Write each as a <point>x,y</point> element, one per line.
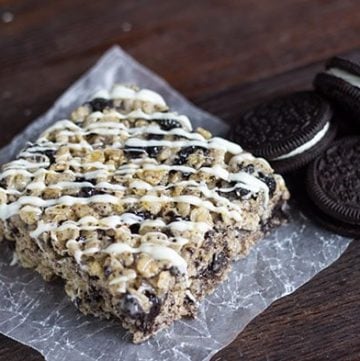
<point>333,185</point>
<point>340,82</point>
<point>289,131</point>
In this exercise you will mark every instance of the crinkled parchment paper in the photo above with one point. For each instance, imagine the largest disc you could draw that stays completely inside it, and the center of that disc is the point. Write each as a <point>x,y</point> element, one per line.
<point>38,313</point>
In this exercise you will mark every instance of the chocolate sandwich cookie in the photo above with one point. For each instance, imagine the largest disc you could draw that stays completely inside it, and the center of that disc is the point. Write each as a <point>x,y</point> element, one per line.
<point>333,186</point>
<point>289,131</point>
<point>340,82</point>
<point>333,225</point>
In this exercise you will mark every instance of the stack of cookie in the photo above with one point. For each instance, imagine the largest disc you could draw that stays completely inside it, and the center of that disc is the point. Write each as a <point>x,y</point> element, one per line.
<point>313,137</point>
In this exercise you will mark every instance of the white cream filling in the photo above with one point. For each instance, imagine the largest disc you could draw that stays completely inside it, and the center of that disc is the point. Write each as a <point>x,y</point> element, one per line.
<point>344,75</point>
<point>306,145</point>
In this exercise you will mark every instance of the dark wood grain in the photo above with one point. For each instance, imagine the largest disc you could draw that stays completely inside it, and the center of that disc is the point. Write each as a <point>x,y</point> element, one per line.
<point>225,55</point>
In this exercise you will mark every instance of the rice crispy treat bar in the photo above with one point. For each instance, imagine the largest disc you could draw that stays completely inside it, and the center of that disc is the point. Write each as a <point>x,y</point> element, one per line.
<point>139,215</point>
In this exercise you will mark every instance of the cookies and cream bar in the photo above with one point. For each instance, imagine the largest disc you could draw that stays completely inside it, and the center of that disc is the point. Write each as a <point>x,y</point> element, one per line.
<point>139,214</point>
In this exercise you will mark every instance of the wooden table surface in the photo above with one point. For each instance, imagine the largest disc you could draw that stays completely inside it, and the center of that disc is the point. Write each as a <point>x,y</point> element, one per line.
<point>224,55</point>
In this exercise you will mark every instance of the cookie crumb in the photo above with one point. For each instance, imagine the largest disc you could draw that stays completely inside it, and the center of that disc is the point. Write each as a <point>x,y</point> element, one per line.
<point>6,94</point>
<point>126,27</point>
<point>27,112</point>
<point>7,17</point>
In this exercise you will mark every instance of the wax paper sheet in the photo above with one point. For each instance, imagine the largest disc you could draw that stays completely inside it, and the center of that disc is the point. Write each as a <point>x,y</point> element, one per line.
<point>39,314</point>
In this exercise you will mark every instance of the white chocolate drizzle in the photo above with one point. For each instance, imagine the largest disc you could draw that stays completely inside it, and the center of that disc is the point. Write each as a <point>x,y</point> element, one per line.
<point>124,92</point>
<point>160,253</point>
